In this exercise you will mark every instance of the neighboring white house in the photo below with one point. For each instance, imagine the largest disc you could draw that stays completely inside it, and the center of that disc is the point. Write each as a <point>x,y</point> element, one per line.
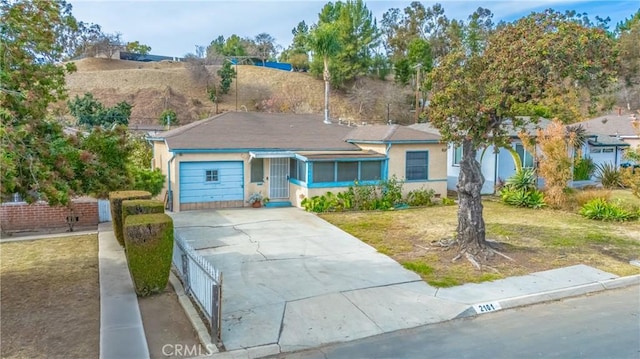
<point>610,136</point>
<point>497,165</point>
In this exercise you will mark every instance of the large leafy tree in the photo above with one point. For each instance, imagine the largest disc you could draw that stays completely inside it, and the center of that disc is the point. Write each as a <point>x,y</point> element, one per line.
<point>34,36</point>
<point>38,160</point>
<point>491,79</point>
<point>325,44</point>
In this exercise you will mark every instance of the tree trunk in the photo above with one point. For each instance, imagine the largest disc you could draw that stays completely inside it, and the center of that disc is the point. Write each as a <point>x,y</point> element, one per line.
<point>326,90</point>
<point>471,228</point>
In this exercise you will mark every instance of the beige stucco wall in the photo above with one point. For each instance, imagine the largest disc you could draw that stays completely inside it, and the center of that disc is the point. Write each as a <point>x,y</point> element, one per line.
<point>397,154</point>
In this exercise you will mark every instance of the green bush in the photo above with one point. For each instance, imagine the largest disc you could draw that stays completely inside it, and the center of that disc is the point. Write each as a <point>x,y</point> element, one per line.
<point>601,209</point>
<point>524,179</point>
<point>520,190</point>
<point>609,176</point>
<point>583,169</point>
<point>420,197</point>
<point>149,243</point>
<point>522,198</point>
<point>116,198</point>
<point>133,207</point>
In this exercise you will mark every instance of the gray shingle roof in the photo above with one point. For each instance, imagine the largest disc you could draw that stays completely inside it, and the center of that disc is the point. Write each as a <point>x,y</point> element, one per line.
<point>612,125</point>
<point>256,130</point>
<point>393,133</point>
<point>280,131</point>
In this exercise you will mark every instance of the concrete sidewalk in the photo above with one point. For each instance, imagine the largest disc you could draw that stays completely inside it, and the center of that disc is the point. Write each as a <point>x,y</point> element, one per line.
<point>293,282</point>
<point>121,330</point>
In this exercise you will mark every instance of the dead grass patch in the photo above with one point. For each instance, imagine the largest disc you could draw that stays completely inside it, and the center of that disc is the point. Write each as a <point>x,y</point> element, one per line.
<point>536,239</point>
<point>50,298</point>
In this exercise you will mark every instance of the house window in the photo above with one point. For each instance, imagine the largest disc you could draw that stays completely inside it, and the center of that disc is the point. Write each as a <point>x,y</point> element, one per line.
<point>457,155</point>
<point>257,170</point>
<point>370,170</point>
<point>211,176</point>
<point>298,170</point>
<point>607,150</point>
<point>323,172</point>
<point>347,171</point>
<point>525,157</point>
<point>417,166</point>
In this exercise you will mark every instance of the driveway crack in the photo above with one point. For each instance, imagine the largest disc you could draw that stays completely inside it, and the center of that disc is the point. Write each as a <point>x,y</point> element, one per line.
<point>252,241</point>
<point>362,311</point>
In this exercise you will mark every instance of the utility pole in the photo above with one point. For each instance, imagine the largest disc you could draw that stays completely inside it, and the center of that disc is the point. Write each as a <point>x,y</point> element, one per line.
<point>418,66</point>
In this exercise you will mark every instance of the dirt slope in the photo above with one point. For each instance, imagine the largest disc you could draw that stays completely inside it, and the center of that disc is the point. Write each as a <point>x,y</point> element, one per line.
<point>152,87</point>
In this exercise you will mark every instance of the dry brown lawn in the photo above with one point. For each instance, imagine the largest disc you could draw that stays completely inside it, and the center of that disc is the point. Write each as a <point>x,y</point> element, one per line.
<point>50,298</point>
<point>537,240</point>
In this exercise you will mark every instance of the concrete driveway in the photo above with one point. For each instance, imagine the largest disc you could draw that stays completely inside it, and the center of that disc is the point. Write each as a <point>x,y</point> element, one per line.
<point>293,280</point>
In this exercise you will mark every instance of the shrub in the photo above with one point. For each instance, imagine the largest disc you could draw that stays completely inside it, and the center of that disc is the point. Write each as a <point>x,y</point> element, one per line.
<point>583,197</point>
<point>631,179</point>
<point>522,198</point>
<point>524,179</point>
<point>140,206</point>
<point>392,191</point>
<point>446,201</point>
<point>520,190</point>
<point>609,176</point>
<point>420,197</point>
<point>116,198</point>
<point>149,243</point>
<point>603,210</point>
<point>583,169</point>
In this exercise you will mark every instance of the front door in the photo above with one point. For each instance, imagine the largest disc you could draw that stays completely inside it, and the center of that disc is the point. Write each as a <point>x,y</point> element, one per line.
<point>279,174</point>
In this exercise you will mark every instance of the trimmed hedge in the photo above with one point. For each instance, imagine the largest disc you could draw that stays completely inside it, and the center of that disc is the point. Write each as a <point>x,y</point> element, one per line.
<point>149,242</point>
<point>116,198</point>
<point>132,207</point>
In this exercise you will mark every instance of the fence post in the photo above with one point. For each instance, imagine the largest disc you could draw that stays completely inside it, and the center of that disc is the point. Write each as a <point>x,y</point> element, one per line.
<point>215,316</point>
<point>185,272</point>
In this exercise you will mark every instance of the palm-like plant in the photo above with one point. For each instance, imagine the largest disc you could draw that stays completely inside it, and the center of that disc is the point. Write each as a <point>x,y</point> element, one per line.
<point>324,42</point>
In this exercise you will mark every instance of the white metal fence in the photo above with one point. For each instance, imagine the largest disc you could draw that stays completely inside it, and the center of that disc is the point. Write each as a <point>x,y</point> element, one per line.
<point>202,281</point>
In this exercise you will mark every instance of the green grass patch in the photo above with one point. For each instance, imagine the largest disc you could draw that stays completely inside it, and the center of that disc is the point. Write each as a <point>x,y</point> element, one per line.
<point>418,267</point>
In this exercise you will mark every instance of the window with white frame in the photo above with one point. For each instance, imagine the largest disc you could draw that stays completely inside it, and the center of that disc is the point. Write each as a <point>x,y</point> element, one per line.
<point>457,155</point>
<point>525,156</point>
<point>417,166</point>
<point>211,176</point>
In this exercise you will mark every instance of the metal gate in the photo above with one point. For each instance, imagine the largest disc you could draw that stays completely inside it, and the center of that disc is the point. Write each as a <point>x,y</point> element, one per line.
<point>104,210</point>
<point>279,174</point>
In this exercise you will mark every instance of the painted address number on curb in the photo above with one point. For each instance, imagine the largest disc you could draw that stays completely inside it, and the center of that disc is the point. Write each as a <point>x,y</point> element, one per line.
<point>487,307</point>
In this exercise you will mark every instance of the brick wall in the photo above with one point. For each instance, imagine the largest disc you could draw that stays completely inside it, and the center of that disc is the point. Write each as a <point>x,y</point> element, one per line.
<point>21,216</point>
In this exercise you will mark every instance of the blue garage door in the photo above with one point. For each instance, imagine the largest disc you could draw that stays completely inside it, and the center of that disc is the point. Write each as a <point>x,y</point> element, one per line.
<point>211,181</point>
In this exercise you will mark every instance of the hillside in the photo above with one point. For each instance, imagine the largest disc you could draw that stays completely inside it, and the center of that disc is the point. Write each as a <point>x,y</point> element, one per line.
<point>152,87</point>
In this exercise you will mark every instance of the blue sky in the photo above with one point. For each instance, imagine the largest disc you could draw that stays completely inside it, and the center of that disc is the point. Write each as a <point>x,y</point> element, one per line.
<point>173,28</point>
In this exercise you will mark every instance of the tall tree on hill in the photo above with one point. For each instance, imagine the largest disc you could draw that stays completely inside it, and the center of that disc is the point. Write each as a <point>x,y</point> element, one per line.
<point>325,45</point>
<point>265,46</point>
<point>492,76</point>
<point>358,35</point>
<point>298,52</point>
<point>628,33</point>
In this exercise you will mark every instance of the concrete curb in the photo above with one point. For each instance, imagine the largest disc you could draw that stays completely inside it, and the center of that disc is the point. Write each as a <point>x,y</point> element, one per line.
<point>250,353</point>
<point>563,293</point>
<point>121,329</point>
<point>196,322</point>
<point>45,236</point>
